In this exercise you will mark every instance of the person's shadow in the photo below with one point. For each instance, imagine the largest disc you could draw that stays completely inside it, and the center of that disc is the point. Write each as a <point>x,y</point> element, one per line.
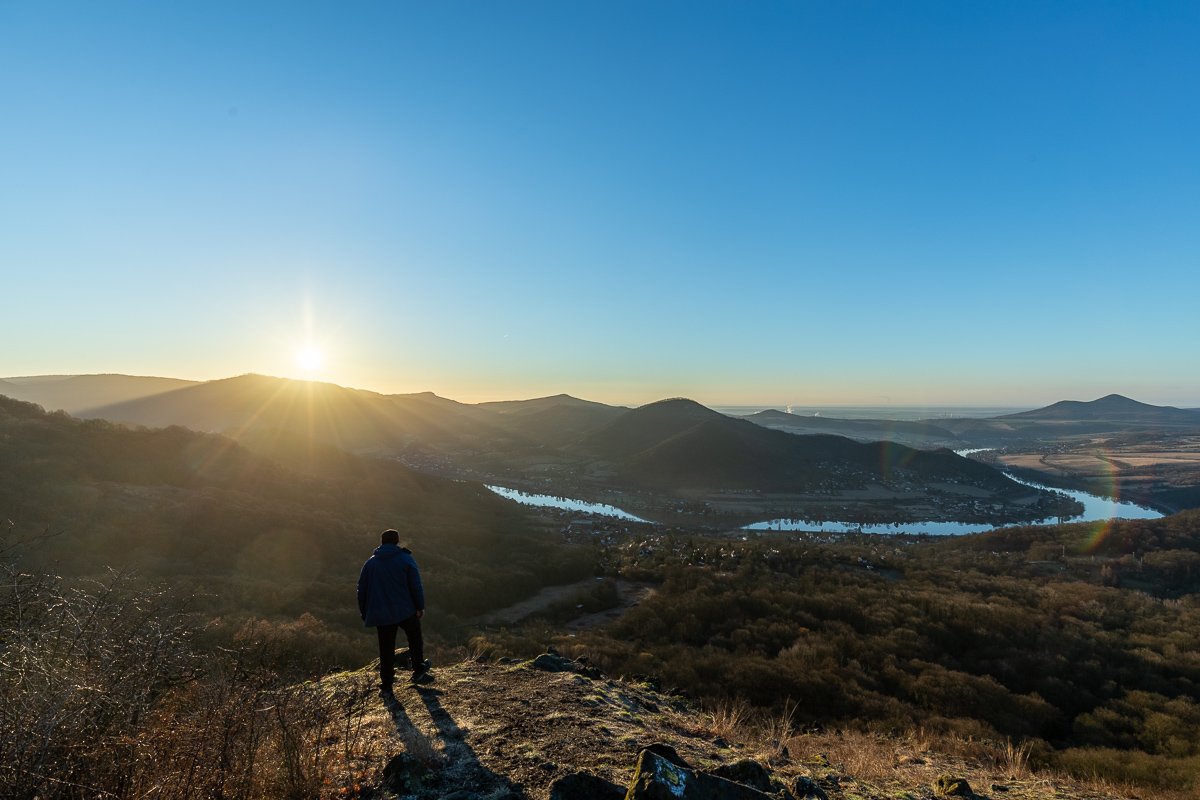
<point>416,743</point>
<point>457,765</point>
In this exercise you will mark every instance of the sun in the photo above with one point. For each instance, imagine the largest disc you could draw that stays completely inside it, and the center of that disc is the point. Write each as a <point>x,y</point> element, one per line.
<point>310,358</point>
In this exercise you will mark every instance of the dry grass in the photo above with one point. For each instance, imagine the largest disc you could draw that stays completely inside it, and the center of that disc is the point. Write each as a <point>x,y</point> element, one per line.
<point>481,727</point>
<point>727,720</point>
<point>885,766</point>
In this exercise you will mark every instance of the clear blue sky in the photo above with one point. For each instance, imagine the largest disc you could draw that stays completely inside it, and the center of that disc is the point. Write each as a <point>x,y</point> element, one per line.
<point>767,202</point>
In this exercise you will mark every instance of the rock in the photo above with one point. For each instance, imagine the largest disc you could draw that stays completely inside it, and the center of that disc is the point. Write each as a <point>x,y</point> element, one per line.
<point>664,750</point>
<point>656,778</point>
<point>549,662</point>
<point>747,772</point>
<point>403,774</point>
<point>648,680</point>
<point>585,786</point>
<point>949,786</point>
<point>553,662</point>
<point>804,787</point>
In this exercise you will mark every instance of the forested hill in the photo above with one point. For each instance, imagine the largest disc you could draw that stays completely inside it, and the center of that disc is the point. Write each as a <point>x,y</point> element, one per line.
<point>923,433</point>
<point>1111,408</point>
<point>351,419</point>
<point>252,533</point>
<point>680,443</point>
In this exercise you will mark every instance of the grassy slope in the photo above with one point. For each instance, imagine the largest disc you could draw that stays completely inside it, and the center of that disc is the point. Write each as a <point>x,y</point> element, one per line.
<point>258,534</point>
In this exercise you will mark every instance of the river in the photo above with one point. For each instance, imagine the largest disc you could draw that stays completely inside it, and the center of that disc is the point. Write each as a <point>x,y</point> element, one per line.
<point>1095,509</point>
<point>566,503</point>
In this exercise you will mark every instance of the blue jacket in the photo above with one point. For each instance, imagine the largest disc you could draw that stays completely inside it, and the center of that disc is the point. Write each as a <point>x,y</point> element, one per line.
<point>389,587</point>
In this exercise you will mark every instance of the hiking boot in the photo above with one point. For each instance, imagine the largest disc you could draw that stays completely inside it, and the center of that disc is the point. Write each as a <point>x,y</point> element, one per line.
<point>385,690</point>
<point>422,675</point>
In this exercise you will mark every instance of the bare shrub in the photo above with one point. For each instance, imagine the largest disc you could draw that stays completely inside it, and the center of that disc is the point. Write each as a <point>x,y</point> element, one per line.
<point>82,669</point>
<point>103,693</point>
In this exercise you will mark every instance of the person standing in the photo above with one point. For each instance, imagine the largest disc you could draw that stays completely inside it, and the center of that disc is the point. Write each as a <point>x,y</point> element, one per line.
<point>390,597</point>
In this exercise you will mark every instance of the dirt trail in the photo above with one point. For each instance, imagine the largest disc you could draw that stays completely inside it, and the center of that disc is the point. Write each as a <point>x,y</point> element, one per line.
<point>629,595</point>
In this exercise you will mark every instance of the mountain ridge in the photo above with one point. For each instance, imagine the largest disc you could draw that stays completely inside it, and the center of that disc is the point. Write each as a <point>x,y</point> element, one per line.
<point>75,394</point>
<point>680,443</point>
<point>668,446</point>
<point>922,432</point>
<point>1109,407</point>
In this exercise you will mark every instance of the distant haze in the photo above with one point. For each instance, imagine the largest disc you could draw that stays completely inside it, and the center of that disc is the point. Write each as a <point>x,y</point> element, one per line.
<point>876,412</point>
<point>82,393</point>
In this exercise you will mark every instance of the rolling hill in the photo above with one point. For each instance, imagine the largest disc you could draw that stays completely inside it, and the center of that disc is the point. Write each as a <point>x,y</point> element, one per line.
<point>78,393</point>
<point>1111,408</point>
<point>921,433</point>
<point>665,447</point>
<point>681,444</point>
<point>259,408</point>
<point>250,533</point>
<point>553,421</point>
<point>351,419</point>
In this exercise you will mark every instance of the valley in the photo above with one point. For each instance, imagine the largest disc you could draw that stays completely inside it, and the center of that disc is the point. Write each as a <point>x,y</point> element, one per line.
<point>1063,637</point>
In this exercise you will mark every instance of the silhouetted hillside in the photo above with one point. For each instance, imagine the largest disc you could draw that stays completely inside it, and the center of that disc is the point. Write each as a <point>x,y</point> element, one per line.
<point>920,432</point>
<point>78,393</point>
<point>648,426</point>
<point>554,421</point>
<point>351,419</point>
<point>252,533</point>
<point>682,444</point>
<point>1113,407</point>
<point>539,404</point>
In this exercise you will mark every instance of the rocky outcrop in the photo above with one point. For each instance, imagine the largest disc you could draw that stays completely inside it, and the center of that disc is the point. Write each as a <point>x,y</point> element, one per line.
<point>510,731</point>
<point>551,661</point>
<point>748,773</point>
<point>656,778</point>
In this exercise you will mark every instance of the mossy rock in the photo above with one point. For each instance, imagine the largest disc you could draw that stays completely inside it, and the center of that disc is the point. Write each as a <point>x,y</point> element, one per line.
<point>949,786</point>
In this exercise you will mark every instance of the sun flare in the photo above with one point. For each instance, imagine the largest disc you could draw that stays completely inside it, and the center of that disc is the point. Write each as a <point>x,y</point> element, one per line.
<point>310,359</point>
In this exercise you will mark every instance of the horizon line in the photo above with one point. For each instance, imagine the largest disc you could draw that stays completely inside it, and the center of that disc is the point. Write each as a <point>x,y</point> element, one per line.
<point>713,405</point>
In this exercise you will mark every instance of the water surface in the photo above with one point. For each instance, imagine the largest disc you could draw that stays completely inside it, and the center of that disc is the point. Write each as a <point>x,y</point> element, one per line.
<point>1095,509</point>
<point>566,503</point>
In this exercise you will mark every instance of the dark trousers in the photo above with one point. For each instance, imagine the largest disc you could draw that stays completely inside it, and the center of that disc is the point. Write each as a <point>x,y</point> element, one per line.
<point>387,647</point>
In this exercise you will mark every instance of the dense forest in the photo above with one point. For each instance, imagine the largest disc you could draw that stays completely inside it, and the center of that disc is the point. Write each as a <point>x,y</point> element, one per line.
<point>1083,640</point>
